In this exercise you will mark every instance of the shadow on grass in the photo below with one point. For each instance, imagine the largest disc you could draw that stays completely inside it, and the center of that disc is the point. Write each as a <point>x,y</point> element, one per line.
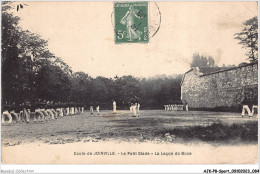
<point>217,132</point>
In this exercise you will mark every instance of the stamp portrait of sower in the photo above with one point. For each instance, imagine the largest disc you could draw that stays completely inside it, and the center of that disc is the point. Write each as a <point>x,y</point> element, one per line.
<point>128,20</point>
<point>131,22</point>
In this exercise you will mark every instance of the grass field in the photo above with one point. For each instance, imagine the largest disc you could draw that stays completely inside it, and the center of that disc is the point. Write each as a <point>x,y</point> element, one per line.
<point>152,126</point>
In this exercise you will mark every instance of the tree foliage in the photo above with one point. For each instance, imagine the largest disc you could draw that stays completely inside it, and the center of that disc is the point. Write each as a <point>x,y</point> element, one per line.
<point>29,70</point>
<point>31,73</point>
<point>150,92</point>
<point>248,38</point>
<point>202,61</point>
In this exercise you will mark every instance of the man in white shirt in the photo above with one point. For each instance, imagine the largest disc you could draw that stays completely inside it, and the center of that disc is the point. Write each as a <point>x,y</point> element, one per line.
<point>138,109</point>
<point>114,107</point>
<point>97,108</point>
<point>91,110</point>
<point>134,109</point>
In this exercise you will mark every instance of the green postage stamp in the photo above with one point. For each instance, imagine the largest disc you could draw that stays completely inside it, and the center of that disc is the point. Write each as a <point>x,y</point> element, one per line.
<point>131,22</point>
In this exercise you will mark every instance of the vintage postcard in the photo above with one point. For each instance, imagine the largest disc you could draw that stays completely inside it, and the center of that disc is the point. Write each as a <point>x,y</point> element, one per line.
<point>129,82</point>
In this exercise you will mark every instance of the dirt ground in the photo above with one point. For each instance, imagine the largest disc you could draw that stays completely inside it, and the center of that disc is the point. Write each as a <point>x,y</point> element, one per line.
<point>151,126</point>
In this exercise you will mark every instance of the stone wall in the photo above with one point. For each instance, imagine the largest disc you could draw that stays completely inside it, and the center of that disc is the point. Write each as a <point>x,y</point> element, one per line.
<point>224,89</point>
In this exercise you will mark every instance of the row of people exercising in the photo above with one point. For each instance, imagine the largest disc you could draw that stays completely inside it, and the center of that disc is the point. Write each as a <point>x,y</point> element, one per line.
<point>39,111</point>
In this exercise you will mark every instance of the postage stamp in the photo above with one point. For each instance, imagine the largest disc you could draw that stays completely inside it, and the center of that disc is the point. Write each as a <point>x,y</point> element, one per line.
<point>131,22</point>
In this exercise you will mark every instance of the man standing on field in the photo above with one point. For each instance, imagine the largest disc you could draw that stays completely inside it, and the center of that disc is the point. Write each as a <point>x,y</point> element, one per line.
<point>91,109</point>
<point>138,109</point>
<point>134,110</point>
<point>13,112</point>
<point>5,113</point>
<point>82,108</point>
<point>114,107</point>
<point>97,108</point>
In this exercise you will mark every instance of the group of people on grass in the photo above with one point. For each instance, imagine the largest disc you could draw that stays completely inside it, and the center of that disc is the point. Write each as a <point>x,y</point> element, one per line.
<point>92,109</point>
<point>175,107</point>
<point>246,108</point>
<point>134,107</point>
<point>247,104</point>
<point>39,111</point>
<point>42,111</point>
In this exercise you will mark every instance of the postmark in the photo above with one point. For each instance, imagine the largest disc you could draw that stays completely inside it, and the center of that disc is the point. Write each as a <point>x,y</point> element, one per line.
<point>131,22</point>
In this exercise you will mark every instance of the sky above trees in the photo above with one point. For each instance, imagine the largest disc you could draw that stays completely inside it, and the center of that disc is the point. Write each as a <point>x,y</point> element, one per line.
<point>31,73</point>
<point>81,34</point>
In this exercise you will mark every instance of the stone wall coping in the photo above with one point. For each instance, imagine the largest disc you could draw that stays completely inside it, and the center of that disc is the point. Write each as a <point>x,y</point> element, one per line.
<point>215,72</point>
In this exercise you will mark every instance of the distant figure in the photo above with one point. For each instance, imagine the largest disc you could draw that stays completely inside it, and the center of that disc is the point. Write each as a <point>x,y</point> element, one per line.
<point>13,113</point>
<point>132,103</point>
<point>38,109</point>
<point>97,108</point>
<point>114,107</point>
<point>247,103</point>
<point>59,112</point>
<point>165,107</point>
<point>50,113</point>
<point>76,110</point>
<point>46,115</point>
<point>176,107</point>
<point>254,107</point>
<point>138,109</point>
<point>91,110</point>
<point>25,113</point>
<point>55,113</point>
<point>67,110</point>
<point>187,107</point>
<point>253,110</point>
<point>82,109</point>
<point>172,107</point>
<point>244,109</point>
<point>134,107</point>
<point>79,108</point>
<point>72,110</point>
<point>6,113</point>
